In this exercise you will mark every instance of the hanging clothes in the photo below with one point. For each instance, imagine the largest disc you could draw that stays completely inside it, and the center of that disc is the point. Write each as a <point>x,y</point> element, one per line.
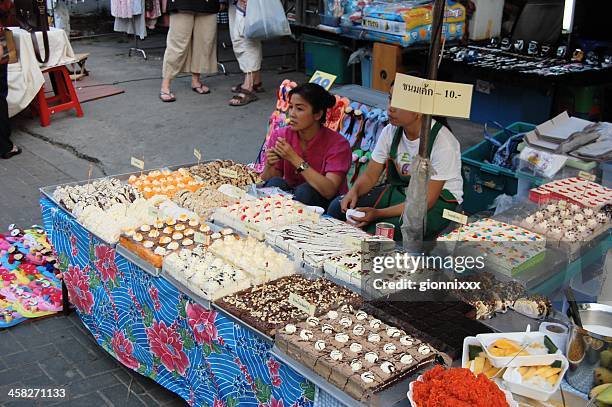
<point>153,12</point>
<point>129,17</point>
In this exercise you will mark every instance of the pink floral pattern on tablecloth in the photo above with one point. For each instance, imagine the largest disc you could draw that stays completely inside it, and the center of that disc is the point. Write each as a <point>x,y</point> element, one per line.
<point>124,350</point>
<point>105,262</point>
<point>166,344</point>
<point>202,322</point>
<point>77,282</point>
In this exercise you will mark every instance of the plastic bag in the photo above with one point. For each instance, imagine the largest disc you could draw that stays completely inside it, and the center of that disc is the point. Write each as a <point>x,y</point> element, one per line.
<point>265,19</point>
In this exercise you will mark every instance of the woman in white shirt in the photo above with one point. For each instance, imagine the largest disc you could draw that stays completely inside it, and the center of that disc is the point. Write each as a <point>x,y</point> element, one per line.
<point>395,150</point>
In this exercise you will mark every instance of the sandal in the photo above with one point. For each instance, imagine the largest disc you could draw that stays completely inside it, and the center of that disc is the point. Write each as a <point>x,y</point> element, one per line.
<point>243,98</point>
<point>12,153</point>
<point>257,87</point>
<point>200,89</point>
<point>166,97</point>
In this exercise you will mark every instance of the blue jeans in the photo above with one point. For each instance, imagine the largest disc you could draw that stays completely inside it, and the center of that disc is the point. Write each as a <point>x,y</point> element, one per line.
<point>304,193</point>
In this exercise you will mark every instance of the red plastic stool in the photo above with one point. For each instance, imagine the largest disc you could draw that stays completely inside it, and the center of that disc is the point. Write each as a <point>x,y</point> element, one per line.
<point>64,96</point>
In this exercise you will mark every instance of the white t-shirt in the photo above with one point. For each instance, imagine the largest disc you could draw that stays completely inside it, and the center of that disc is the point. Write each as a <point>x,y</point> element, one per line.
<point>445,157</point>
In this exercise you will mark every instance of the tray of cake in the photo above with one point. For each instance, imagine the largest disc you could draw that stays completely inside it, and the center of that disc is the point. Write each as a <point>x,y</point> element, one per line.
<point>575,190</point>
<point>356,352</point>
<point>255,217</point>
<point>568,226</point>
<point>312,244</point>
<point>506,248</point>
<point>148,244</point>
<point>268,307</point>
<point>226,266</point>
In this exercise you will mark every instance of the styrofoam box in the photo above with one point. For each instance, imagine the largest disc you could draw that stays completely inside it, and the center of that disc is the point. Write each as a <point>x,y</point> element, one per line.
<point>533,392</point>
<point>487,19</point>
<point>486,340</point>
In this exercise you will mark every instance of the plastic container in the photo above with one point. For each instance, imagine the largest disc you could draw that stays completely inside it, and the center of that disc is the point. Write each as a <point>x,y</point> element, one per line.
<point>483,182</point>
<point>528,390</point>
<point>325,55</point>
<point>486,340</point>
<point>606,174</point>
<point>487,19</point>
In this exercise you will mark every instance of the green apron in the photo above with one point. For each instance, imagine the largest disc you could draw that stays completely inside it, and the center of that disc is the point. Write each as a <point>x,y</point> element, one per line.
<point>394,193</point>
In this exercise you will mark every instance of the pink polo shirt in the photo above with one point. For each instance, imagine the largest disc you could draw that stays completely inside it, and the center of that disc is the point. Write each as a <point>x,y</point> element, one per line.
<point>327,152</point>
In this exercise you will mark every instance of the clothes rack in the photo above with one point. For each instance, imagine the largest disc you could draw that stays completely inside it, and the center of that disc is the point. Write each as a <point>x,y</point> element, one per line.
<point>137,49</point>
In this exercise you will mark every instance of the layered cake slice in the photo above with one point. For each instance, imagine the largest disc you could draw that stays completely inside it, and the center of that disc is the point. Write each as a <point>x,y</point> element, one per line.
<point>355,351</point>
<point>267,307</point>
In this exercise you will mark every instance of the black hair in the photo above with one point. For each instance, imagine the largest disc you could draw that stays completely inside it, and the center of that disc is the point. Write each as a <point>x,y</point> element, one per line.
<point>317,97</point>
<point>440,119</point>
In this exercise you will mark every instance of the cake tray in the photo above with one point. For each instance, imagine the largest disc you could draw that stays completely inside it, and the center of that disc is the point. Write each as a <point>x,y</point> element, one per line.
<point>265,337</point>
<point>49,195</point>
<point>186,290</point>
<point>134,258</point>
<point>392,396</point>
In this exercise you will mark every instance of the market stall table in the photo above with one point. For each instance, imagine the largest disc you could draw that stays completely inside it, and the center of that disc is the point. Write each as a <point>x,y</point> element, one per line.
<point>25,78</point>
<point>148,325</point>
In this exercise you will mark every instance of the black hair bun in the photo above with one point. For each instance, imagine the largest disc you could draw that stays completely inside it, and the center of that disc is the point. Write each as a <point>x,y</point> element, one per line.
<point>330,100</point>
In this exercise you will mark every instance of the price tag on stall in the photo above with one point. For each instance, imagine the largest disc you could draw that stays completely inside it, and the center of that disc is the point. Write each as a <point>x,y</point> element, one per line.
<point>587,176</point>
<point>228,173</point>
<point>563,204</point>
<point>197,154</point>
<point>135,162</point>
<point>324,79</point>
<point>432,97</point>
<point>455,216</point>
<point>153,211</point>
<point>200,238</point>
<point>301,304</point>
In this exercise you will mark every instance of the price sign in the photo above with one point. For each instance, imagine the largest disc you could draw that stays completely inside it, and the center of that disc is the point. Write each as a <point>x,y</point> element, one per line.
<point>200,238</point>
<point>153,211</point>
<point>454,216</point>
<point>228,173</point>
<point>323,79</point>
<point>197,154</point>
<point>301,304</point>
<point>432,97</point>
<point>587,176</point>
<point>137,163</point>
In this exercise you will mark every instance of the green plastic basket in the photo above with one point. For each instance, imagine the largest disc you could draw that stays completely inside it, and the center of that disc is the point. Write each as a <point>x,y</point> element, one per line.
<point>482,181</point>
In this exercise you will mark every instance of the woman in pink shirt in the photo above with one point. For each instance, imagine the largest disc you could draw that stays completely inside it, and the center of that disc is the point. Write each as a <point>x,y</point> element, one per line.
<point>306,158</point>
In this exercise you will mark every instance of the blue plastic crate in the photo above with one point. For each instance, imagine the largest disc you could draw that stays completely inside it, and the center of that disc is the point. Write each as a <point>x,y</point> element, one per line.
<point>482,181</point>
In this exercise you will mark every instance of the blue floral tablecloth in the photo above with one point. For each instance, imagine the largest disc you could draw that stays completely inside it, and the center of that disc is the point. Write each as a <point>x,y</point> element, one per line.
<point>154,329</point>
